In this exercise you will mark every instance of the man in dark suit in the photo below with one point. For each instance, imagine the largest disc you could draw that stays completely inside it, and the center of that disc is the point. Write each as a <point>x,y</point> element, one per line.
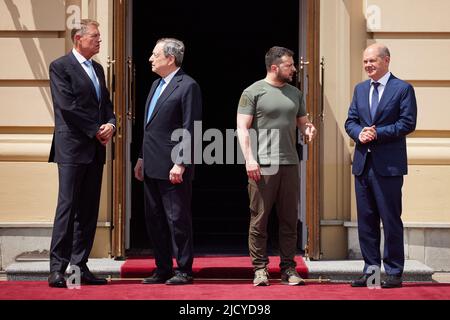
<point>84,124</point>
<point>382,113</point>
<point>165,165</point>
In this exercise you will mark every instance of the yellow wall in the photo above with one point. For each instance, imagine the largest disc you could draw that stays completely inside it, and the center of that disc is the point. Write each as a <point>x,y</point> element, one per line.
<point>415,16</point>
<point>32,34</point>
<point>420,44</point>
<point>342,39</point>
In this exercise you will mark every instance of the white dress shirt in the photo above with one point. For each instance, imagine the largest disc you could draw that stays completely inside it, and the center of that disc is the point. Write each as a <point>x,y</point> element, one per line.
<point>81,60</point>
<point>382,81</point>
<point>167,79</point>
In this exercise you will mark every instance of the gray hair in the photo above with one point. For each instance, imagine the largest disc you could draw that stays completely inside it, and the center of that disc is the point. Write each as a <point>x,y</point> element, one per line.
<point>173,47</point>
<point>81,28</point>
<point>384,52</point>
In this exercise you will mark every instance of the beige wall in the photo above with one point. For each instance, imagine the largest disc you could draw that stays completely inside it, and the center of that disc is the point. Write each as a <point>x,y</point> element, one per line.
<point>419,42</point>
<point>32,15</point>
<point>415,16</point>
<point>341,44</point>
<point>32,34</point>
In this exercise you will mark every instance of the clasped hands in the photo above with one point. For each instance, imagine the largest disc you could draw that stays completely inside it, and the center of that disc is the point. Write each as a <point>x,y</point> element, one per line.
<point>368,134</point>
<point>105,132</point>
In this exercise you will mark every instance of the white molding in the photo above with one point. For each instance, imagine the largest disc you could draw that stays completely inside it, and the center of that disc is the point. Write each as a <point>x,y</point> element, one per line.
<point>425,151</point>
<point>25,147</point>
<point>332,222</point>
<point>415,225</point>
<point>428,151</point>
<point>42,225</point>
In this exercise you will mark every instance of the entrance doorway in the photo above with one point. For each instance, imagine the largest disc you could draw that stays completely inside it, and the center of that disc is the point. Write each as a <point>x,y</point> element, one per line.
<point>225,46</point>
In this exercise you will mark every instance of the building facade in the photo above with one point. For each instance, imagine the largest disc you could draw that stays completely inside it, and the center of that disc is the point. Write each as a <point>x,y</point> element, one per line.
<point>332,36</point>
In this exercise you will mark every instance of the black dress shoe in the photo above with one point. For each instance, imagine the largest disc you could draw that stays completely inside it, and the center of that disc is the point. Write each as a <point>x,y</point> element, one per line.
<point>89,279</point>
<point>392,282</point>
<point>361,282</point>
<point>156,278</point>
<point>180,278</point>
<point>56,280</point>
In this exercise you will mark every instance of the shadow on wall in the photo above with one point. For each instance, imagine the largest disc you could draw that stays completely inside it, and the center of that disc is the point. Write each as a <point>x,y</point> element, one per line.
<point>36,58</point>
<point>336,153</point>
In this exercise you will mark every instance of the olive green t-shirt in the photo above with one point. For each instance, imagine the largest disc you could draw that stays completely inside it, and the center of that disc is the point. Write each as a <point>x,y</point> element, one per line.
<point>274,108</point>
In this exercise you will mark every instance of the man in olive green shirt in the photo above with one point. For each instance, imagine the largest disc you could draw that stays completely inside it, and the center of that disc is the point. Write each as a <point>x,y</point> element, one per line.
<point>273,109</point>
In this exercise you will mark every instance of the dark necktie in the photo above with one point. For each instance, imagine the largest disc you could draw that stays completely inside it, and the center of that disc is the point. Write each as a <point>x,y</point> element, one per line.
<point>375,100</point>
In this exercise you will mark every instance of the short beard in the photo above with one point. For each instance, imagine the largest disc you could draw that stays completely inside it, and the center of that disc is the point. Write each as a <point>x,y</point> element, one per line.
<point>282,79</point>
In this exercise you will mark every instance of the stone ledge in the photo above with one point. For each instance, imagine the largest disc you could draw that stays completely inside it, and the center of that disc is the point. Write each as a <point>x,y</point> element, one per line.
<point>39,270</point>
<point>347,270</point>
<point>337,271</point>
<point>418,225</point>
<point>44,225</point>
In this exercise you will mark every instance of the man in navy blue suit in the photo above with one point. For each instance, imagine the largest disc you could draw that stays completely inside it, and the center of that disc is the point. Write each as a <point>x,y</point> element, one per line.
<point>84,124</point>
<point>174,103</point>
<point>382,113</point>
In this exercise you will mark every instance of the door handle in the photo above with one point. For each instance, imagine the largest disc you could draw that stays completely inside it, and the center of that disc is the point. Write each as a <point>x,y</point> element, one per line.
<point>301,74</point>
<point>131,89</point>
<point>322,90</point>
<point>110,76</point>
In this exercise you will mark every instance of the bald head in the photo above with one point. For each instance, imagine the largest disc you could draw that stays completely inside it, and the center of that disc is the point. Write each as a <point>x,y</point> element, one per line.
<point>376,61</point>
<point>379,49</point>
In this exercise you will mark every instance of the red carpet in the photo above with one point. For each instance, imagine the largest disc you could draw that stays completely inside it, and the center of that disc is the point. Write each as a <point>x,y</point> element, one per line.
<point>211,267</point>
<point>220,290</point>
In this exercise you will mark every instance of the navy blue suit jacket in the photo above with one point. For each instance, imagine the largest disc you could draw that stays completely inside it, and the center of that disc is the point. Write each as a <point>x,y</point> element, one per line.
<point>178,107</point>
<point>395,118</point>
<point>78,112</point>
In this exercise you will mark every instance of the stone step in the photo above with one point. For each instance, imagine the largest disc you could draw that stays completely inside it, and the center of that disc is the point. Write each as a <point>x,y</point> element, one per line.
<point>336,271</point>
<point>347,270</point>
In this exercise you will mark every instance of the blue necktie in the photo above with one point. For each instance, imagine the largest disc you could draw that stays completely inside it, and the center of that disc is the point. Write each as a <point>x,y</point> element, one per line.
<point>91,74</point>
<point>155,97</point>
<point>375,100</point>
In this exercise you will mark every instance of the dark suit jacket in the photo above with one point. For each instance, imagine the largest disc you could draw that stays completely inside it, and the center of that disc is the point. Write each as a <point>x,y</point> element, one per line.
<point>395,118</point>
<point>78,112</point>
<point>178,107</point>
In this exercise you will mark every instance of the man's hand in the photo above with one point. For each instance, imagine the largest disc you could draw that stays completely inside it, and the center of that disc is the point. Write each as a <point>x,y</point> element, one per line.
<point>105,133</point>
<point>310,131</point>
<point>176,174</point>
<point>368,134</point>
<point>139,170</point>
<point>253,170</point>
<point>306,128</point>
